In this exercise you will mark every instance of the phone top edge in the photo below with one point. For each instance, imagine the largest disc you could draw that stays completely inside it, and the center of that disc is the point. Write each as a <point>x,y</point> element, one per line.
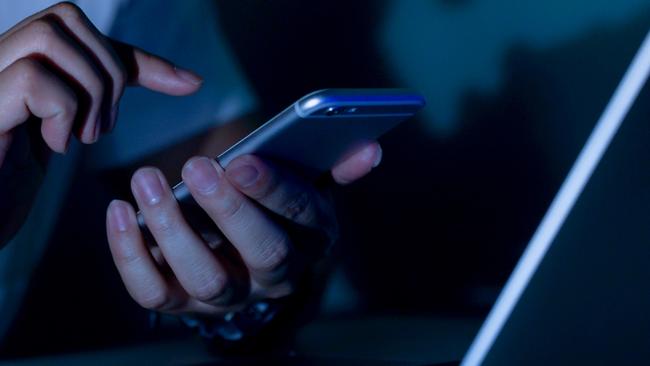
<point>253,140</point>
<point>326,98</point>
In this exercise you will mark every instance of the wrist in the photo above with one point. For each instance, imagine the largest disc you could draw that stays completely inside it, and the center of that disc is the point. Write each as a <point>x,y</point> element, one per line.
<point>266,326</point>
<point>235,326</point>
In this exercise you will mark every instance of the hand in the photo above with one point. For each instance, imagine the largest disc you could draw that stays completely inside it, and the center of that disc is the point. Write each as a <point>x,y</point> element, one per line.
<point>258,257</point>
<point>55,66</point>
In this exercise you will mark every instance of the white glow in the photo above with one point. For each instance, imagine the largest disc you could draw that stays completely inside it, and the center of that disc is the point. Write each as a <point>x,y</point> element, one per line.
<point>562,204</point>
<point>312,102</point>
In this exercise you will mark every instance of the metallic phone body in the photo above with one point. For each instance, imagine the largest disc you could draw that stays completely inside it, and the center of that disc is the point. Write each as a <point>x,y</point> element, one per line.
<point>312,134</point>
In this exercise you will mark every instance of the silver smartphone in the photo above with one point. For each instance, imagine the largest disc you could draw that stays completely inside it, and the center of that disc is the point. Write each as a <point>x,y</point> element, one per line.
<point>312,134</point>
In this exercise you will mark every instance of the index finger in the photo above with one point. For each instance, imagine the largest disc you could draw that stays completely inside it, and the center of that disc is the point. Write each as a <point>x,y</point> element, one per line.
<point>143,68</point>
<point>155,73</point>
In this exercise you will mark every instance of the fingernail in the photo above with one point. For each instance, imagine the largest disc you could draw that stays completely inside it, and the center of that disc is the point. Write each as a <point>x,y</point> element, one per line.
<point>244,176</point>
<point>148,186</point>
<point>118,216</point>
<point>201,174</point>
<point>371,155</point>
<point>380,154</point>
<point>188,76</point>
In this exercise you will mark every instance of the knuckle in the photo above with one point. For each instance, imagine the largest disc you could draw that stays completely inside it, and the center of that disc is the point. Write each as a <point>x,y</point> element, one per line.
<point>43,31</point>
<point>164,224</point>
<point>229,207</point>
<point>126,257</point>
<point>273,255</point>
<point>28,70</point>
<point>28,74</point>
<point>68,10</point>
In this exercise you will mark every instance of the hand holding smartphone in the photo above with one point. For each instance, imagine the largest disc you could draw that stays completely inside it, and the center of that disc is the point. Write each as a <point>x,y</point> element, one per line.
<point>312,134</point>
<point>235,242</point>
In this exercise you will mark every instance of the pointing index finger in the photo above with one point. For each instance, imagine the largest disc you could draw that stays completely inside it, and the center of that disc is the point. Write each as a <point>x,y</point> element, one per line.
<point>155,73</point>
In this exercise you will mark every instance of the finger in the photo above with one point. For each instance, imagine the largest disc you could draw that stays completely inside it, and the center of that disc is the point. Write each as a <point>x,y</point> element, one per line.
<point>263,245</point>
<point>153,72</point>
<point>26,87</point>
<point>143,68</point>
<point>193,264</point>
<point>137,268</point>
<point>357,163</point>
<point>148,70</point>
<point>99,48</point>
<point>45,38</point>
<point>282,193</point>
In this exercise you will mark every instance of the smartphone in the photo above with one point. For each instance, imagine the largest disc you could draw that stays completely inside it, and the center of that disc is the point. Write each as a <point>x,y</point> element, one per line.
<point>312,134</point>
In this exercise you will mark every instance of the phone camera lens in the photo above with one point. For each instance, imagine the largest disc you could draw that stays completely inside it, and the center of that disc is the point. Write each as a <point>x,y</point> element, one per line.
<point>331,111</point>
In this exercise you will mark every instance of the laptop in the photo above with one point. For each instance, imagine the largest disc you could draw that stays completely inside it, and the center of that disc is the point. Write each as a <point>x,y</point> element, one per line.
<point>580,293</point>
